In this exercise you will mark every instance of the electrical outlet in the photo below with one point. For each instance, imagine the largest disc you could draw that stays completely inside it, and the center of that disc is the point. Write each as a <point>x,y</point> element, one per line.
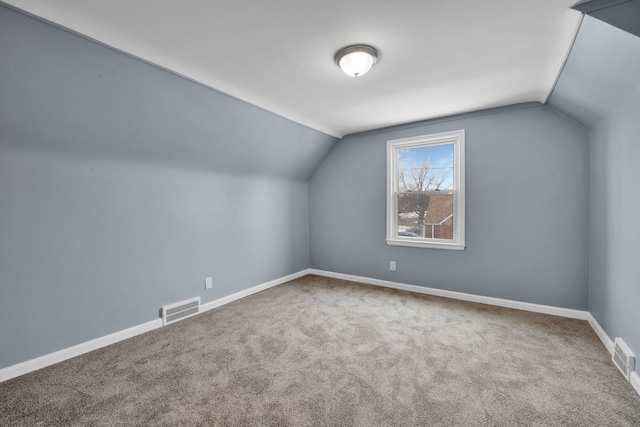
<point>208,283</point>
<point>392,266</point>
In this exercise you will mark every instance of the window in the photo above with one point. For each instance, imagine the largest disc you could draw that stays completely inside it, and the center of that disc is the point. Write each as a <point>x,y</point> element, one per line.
<point>425,191</point>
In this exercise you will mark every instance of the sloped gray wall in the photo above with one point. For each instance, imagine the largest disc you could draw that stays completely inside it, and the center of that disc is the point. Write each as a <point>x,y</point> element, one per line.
<point>600,86</point>
<point>623,14</point>
<point>123,186</point>
<point>527,209</point>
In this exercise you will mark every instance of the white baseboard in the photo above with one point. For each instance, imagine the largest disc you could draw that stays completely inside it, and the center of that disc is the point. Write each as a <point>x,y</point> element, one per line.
<point>233,297</point>
<point>606,341</point>
<point>635,381</point>
<point>537,308</point>
<point>77,350</point>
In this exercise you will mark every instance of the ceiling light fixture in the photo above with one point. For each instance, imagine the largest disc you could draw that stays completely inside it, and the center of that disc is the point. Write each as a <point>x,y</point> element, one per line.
<point>357,59</point>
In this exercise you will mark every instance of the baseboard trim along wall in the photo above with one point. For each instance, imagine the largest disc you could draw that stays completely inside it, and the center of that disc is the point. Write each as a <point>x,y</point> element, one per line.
<point>634,378</point>
<point>606,341</point>
<point>635,381</point>
<point>537,308</point>
<point>77,350</point>
<point>233,297</point>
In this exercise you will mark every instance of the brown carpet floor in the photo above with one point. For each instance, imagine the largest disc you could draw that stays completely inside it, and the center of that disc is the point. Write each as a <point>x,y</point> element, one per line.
<point>326,352</point>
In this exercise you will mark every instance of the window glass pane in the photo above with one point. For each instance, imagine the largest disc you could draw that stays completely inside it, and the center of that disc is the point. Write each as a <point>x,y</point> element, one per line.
<point>424,208</point>
<point>428,215</point>
<point>426,168</point>
<point>438,220</point>
<point>411,211</point>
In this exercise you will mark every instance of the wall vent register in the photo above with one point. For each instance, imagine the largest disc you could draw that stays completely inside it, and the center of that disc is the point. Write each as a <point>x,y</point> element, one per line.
<point>623,358</point>
<point>180,310</point>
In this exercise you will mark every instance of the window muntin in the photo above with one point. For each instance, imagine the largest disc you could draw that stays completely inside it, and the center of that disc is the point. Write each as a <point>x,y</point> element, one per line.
<point>425,197</point>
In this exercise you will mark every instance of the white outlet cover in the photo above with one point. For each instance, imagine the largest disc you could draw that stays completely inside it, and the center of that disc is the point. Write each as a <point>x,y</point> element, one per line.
<point>392,265</point>
<point>208,283</point>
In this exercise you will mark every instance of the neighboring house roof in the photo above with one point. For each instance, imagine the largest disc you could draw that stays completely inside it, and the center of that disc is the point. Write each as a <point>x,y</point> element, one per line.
<point>439,209</point>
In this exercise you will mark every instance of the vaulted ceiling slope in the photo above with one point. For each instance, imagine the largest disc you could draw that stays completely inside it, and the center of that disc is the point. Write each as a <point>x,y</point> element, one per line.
<point>437,58</point>
<point>624,14</point>
<point>600,74</point>
<point>72,97</point>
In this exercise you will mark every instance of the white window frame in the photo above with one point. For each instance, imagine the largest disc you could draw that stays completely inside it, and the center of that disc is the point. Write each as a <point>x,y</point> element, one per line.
<point>455,137</point>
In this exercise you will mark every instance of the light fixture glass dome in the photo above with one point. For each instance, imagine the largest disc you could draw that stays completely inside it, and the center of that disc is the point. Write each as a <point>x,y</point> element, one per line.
<point>356,60</point>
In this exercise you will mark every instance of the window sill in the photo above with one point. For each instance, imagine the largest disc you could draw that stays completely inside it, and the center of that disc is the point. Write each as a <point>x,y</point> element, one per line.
<point>426,244</point>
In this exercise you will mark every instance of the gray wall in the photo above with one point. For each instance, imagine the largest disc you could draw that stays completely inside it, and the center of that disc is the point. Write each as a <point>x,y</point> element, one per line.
<point>527,215</point>
<point>600,86</point>
<point>122,186</point>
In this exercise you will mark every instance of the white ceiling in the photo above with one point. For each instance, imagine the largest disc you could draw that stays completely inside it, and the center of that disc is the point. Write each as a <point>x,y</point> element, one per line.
<point>437,58</point>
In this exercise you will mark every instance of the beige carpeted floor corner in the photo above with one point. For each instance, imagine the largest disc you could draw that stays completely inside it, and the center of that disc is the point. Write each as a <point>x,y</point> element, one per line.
<point>326,352</point>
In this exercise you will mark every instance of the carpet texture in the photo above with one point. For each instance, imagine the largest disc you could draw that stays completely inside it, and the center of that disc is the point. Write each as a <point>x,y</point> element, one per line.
<point>326,352</point>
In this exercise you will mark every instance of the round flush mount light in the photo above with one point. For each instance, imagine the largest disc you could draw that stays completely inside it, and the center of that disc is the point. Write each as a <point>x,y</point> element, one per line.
<point>356,60</point>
